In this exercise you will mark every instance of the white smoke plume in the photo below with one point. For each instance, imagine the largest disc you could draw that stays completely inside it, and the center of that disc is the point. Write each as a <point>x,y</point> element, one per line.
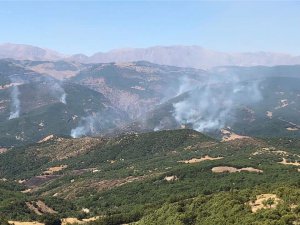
<point>16,104</point>
<point>63,98</point>
<point>58,91</point>
<point>211,105</point>
<point>87,126</point>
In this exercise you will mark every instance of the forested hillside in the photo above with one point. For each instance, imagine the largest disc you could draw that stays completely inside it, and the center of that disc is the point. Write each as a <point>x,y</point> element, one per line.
<point>180,176</point>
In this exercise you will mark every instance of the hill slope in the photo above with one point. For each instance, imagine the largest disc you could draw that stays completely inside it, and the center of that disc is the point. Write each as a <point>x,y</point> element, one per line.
<point>171,176</point>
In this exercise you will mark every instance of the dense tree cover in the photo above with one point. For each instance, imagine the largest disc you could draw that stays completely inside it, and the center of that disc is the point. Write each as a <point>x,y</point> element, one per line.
<point>227,208</point>
<point>51,220</point>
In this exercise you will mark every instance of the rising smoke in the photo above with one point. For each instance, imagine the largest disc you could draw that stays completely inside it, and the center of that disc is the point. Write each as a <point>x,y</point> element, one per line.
<point>58,91</point>
<point>87,126</point>
<point>15,103</point>
<point>63,97</point>
<point>212,104</point>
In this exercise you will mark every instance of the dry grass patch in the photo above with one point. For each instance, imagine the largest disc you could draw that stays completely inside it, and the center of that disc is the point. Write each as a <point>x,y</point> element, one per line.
<point>228,169</point>
<point>292,128</point>
<point>54,169</point>
<point>50,137</point>
<point>200,145</point>
<point>70,220</point>
<point>205,158</point>
<point>27,191</point>
<point>66,148</point>
<point>264,201</point>
<point>24,223</point>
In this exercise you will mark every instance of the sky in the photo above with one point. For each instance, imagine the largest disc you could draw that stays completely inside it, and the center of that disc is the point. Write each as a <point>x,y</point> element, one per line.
<point>92,26</point>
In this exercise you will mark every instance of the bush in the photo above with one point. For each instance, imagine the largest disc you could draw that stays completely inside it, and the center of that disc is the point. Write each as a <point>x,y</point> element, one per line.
<point>52,220</point>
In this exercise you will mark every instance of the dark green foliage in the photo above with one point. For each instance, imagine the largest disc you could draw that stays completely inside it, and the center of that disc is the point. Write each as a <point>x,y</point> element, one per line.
<point>51,220</point>
<point>3,222</point>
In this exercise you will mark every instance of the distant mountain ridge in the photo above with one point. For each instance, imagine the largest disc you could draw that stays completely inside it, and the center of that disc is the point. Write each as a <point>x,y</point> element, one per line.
<point>181,56</point>
<point>28,52</point>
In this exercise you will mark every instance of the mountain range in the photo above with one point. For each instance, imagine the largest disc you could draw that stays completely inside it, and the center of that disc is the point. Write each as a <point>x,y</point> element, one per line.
<point>42,98</point>
<point>181,56</point>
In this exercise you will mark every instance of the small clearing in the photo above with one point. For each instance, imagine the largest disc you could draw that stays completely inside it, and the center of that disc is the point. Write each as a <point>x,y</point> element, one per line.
<point>27,191</point>
<point>205,158</point>
<point>54,169</point>
<point>70,220</point>
<point>269,114</point>
<point>292,128</point>
<point>230,136</point>
<point>3,150</point>
<point>171,178</point>
<point>223,169</point>
<point>270,150</point>
<point>283,103</point>
<point>261,200</point>
<point>46,138</point>
<point>285,162</point>
<point>25,223</point>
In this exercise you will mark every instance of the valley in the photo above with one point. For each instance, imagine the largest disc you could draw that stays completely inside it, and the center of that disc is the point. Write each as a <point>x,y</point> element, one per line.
<point>149,112</point>
<point>141,143</point>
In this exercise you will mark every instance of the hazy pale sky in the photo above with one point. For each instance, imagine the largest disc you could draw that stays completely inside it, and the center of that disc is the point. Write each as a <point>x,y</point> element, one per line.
<point>87,27</point>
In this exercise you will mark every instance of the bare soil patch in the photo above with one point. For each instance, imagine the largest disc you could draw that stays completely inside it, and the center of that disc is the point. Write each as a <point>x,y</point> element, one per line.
<point>230,136</point>
<point>70,220</point>
<point>26,191</point>
<point>292,128</point>
<point>54,169</point>
<point>228,169</point>
<point>205,158</point>
<point>46,138</point>
<point>24,223</point>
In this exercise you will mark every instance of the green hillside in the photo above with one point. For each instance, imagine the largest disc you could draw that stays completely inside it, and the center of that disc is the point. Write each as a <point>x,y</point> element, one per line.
<point>42,113</point>
<point>143,177</point>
